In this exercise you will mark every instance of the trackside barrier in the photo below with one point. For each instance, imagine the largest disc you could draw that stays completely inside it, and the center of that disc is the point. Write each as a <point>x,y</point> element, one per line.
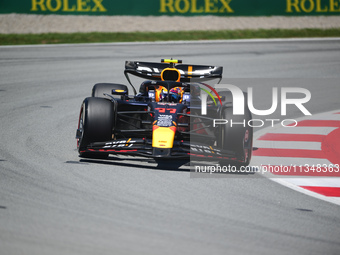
<point>173,7</point>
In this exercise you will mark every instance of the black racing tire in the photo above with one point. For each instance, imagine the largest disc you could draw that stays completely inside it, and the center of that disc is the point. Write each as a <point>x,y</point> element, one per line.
<point>237,138</point>
<point>100,89</point>
<point>95,124</point>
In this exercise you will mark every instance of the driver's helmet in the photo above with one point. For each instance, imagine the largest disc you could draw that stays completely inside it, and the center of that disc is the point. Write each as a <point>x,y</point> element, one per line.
<point>175,95</point>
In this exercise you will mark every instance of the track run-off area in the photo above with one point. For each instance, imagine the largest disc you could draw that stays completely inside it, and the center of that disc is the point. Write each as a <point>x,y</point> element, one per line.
<point>53,202</point>
<point>308,154</point>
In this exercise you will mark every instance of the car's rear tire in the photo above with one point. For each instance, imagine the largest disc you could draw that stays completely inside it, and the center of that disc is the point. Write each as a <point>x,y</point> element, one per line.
<point>100,89</point>
<point>237,138</point>
<point>95,124</point>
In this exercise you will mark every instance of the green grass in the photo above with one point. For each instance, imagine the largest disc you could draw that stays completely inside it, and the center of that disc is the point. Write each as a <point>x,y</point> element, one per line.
<point>54,38</point>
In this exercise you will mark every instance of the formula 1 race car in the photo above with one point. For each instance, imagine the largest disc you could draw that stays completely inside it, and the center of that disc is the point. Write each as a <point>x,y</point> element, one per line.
<point>164,120</point>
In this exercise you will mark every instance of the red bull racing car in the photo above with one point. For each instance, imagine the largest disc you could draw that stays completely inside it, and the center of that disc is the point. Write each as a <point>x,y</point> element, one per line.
<point>164,120</point>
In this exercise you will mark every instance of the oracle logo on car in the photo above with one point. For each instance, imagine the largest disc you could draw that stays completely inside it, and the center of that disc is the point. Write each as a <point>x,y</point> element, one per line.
<point>238,102</point>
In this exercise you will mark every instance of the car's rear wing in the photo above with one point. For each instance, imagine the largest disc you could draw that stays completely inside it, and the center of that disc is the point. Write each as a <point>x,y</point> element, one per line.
<point>188,73</point>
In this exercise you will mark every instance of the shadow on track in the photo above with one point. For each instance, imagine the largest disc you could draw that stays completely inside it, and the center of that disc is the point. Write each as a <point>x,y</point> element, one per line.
<point>165,165</point>
<point>182,166</point>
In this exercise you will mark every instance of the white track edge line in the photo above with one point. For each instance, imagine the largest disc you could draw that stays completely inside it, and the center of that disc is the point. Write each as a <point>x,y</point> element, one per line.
<point>177,42</point>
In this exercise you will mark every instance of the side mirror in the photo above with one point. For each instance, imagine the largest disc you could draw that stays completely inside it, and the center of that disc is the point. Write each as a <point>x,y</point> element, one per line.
<point>120,92</point>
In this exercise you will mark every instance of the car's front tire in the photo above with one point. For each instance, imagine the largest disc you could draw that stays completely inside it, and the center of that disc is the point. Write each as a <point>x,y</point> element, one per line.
<point>95,124</point>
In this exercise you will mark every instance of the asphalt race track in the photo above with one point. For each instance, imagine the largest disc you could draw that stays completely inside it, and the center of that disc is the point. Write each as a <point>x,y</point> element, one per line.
<point>53,202</point>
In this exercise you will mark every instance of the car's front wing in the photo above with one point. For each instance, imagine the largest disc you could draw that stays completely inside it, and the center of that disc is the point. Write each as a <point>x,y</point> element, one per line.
<point>143,147</point>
